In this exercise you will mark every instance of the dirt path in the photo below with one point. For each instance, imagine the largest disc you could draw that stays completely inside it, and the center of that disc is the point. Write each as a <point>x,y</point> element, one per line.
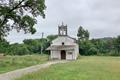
<point>18,73</point>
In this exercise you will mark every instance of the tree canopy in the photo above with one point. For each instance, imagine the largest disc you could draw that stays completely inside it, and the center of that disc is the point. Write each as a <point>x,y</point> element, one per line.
<point>82,34</point>
<point>20,15</point>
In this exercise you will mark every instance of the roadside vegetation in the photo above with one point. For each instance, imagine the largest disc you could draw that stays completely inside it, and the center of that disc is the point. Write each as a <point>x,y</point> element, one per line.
<point>29,46</point>
<point>9,63</point>
<point>85,68</point>
<point>87,47</point>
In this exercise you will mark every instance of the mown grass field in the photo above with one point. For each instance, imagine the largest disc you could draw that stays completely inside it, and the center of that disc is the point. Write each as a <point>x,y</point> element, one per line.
<point>85,68</point>
<point>9,63</point>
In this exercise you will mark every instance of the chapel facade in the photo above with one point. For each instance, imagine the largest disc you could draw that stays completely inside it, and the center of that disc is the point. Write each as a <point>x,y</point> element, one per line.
<point>64,47</point>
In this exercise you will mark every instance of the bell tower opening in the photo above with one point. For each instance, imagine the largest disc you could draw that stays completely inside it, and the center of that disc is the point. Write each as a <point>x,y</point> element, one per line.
<point>62,30</point>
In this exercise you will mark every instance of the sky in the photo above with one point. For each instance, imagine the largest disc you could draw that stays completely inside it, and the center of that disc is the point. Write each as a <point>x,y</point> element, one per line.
<point>100,17</point>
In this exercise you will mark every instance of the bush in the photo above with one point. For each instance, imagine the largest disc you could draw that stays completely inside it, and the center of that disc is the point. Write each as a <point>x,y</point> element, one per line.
<point>19,50</point>
<point>92,51</point>
<point>113,53</point>
<point>22,51</point>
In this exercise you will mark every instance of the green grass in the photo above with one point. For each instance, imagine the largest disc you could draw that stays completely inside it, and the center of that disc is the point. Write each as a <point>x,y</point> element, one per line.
<point>85,68</point>
<point>9,63</point>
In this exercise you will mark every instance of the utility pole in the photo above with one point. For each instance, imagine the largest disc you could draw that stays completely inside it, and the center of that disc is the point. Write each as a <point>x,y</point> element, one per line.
<point>42,34</point>
<point>42,42</point>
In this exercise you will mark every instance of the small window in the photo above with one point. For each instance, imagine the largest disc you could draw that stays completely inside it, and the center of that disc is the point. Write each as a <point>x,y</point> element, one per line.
<point>70,53</point>
<point>63,43</point>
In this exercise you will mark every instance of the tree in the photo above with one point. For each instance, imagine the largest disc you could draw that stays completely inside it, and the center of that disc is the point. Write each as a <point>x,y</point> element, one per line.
<point>19,49</point>
<point>92,51</point>
<point>20,15</point>
<point>51,37</point>
<point>4,46</point>
<point>87,34</point>
<point>117,44</point>
<point>85,47</point>
<point>83,40</point>
<point>82,34</point>
<point>35,45</point>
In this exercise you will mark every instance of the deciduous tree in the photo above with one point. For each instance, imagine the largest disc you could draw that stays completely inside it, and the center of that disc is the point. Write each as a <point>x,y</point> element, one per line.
<point>82,34</point>
<point>20,15</point>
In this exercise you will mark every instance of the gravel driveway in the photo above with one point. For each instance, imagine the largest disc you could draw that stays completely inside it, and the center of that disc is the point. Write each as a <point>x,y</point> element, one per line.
<point>18,73</point>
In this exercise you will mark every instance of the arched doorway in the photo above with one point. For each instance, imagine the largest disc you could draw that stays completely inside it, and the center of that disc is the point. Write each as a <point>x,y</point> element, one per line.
<point>63,54</point>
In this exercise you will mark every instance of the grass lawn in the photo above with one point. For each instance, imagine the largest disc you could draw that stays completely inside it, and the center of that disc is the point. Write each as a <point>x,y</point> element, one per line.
<point>85,68</point>
<point>9,63</point>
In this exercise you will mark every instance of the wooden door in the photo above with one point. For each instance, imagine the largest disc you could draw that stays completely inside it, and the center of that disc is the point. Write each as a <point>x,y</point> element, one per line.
<point>63,54</point>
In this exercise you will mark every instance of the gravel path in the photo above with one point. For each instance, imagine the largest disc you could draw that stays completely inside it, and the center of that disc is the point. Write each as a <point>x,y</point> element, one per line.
<point>18,73</point>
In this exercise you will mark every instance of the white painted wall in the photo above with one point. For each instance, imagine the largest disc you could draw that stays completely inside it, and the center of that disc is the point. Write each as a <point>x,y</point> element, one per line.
<point>55,55</point>
<point>74,55</point>
<point>65,39</point>
<point>69,56</point>
<point>76,51</point>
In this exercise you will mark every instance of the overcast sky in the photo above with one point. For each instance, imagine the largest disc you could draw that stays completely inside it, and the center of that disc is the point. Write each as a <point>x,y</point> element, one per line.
<point>100,17</point>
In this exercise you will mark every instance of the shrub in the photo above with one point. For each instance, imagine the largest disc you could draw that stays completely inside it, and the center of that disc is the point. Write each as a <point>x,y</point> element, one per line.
<point>92,51</point>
